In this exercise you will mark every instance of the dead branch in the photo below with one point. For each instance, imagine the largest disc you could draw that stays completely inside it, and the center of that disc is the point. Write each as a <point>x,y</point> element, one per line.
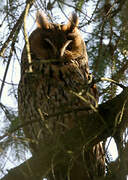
<point>39,165</point>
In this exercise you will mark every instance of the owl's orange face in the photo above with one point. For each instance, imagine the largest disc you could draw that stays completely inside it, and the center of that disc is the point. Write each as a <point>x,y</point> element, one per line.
<point>55,41</point>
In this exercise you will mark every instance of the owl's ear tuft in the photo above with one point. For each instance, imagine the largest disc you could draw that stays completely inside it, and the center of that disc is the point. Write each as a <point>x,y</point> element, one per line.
<point>42,21</point>
<point>72,23</point>
<point>74,20</point>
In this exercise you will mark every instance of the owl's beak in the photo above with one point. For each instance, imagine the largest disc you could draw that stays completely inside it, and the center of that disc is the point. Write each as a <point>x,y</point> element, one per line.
<point>57,53</point>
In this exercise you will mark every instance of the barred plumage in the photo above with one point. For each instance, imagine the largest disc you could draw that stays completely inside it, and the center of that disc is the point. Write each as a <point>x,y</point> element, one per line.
<point>59,66</point>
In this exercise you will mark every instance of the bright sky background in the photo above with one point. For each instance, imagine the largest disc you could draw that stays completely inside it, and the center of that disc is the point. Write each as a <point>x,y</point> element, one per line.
<point>14,75</point>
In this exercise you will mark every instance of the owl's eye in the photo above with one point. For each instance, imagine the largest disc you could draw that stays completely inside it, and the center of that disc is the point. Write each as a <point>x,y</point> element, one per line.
<point>71,36</point>
<point>46,44</point>
<point>69,47</point>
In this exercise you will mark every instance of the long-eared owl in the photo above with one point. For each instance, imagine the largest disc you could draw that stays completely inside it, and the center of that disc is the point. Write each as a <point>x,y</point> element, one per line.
<point>59,64</point>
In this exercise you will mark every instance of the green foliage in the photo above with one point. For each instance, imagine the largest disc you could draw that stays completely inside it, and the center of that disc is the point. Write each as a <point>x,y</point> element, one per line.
<point>80,4</point>
<point>104,25</point>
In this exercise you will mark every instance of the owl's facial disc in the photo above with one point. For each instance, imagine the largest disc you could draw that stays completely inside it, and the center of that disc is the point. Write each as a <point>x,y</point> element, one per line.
<point>61,42</point>
<point>57,53</point>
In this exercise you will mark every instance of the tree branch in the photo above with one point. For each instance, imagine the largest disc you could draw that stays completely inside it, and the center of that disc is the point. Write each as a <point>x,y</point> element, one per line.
<point>61,147</point>
<point>16,28</point>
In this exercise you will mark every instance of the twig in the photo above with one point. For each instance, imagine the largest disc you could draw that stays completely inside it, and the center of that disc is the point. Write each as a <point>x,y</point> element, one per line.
<point>85,100</point>
<point>9,83</point>
<point>45,121</point>
<point>26,36</point>
<point>16,28</point>
<point>47,117</point>
<point>116,11</point>
<point>94,81</point>
<point>6,70</point>
<point>112,81</point>
<point>91,106</point>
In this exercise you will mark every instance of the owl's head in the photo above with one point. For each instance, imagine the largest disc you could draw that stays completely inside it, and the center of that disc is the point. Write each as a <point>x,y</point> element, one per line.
<point>57,41</point>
